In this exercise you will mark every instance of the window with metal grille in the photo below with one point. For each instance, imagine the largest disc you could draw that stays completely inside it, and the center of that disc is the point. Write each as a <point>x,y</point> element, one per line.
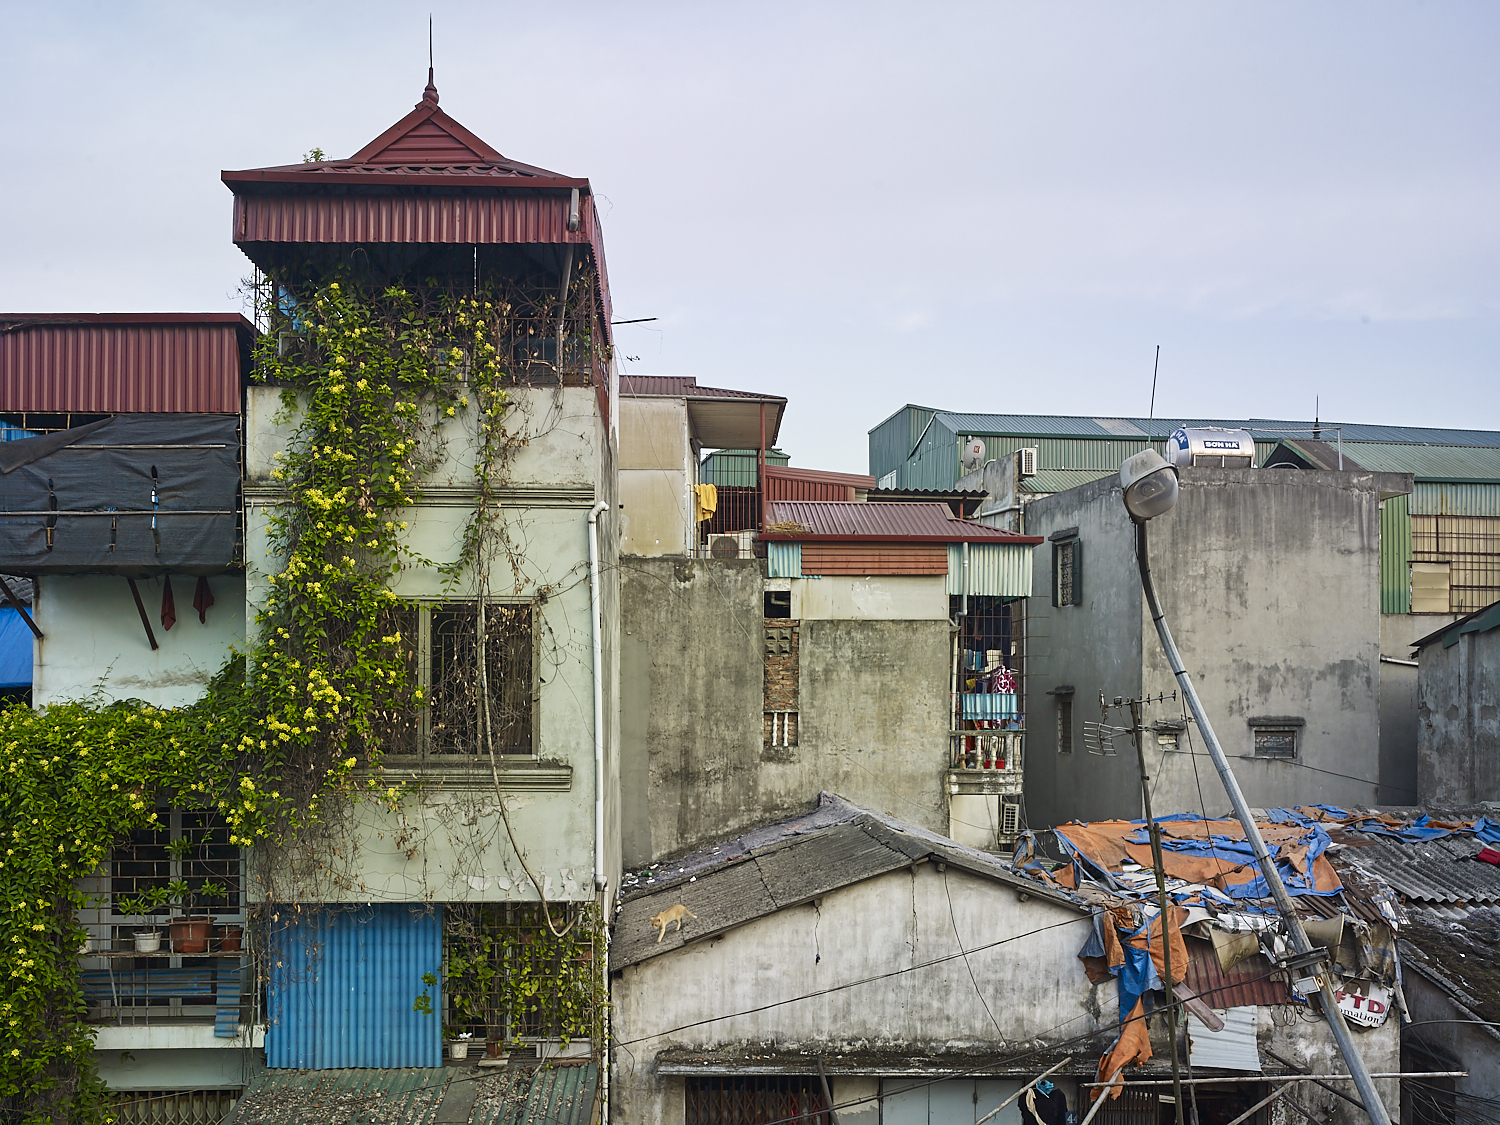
<point>443,656</point>
<point>756,1100</point>
<point>172,1107</point>
<point>1455,564</point>
<point>1064,725</point>
<point>191,846</point>
<point>1067,569</point>
<point>1275,742</point>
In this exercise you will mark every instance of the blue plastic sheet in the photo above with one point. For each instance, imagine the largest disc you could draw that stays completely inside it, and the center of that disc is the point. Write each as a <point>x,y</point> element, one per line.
<point>15,650</point>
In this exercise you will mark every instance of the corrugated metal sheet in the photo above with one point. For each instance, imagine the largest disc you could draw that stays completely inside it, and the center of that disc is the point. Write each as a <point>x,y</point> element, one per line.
<point>105,365</point>
<point>1451,499</point>
<point>1048,481</point>
<point>683,386</point>
<point>931,521</point>
<point>858,558</point>
<point>406,1096</point>
<point>1465,462</point>
<point>1433,871</point>
<point>1395,555</point>
<point>995,570</point>
<point>342,992</point>
<point>783,560</point>
<point>553,1095</point>
<point>1247,983</point>
<point>1233,1048</point>
<point>1262,429</point>
<point>737,468</point>
<point>466,219</point>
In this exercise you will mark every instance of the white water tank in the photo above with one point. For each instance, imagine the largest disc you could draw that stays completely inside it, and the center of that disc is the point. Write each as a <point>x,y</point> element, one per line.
<point>1211,446</point>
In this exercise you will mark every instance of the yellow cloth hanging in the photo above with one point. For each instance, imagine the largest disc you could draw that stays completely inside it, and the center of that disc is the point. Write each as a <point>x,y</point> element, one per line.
<point>705,501</point>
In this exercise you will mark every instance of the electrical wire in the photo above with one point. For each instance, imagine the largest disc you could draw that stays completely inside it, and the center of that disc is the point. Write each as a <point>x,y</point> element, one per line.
<point>960,943</point>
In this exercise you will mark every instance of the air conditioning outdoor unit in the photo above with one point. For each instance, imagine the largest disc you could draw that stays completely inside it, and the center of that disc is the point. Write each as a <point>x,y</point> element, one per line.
<point>1010,818</point>
<point>735,545</point>
<point>1026,462</point>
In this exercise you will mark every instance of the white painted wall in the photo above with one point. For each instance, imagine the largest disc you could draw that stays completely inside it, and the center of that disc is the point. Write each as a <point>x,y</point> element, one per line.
<point>1034,984</point>
<point>880,598</point>
<point>657,474</point>
<point>94,641</point>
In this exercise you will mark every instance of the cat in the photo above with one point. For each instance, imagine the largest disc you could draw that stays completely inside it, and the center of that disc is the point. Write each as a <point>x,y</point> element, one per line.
<point>667,917</point>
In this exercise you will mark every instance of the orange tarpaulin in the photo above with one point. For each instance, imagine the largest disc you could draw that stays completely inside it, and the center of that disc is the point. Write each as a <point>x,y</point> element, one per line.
<point>1134,1044</point>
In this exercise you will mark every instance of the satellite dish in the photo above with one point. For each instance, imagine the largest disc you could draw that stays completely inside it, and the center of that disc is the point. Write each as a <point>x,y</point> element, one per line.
<point>973,455</point>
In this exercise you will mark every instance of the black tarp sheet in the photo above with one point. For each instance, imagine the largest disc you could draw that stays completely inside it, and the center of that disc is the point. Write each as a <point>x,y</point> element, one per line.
<point>136,494</point>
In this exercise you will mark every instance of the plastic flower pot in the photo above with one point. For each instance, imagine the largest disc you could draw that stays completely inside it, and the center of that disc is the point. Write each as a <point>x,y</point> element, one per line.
<point>190,935</point>
<point>147,941</point>
<point>230,938</point>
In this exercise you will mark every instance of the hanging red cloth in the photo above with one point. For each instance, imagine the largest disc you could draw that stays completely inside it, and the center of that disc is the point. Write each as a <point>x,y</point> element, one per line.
<point>203,597</point>
<point>168,605</point>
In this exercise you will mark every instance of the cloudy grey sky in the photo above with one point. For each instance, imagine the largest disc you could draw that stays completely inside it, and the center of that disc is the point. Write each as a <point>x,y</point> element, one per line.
<point>990,207</point>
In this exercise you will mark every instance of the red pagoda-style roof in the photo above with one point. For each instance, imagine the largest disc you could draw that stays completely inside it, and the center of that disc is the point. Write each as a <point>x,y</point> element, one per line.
<point>424,147</point>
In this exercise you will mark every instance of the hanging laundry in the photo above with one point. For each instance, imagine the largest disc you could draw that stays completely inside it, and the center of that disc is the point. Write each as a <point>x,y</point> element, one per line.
<point>168,606</point>
<point>203,597</point>
<point>705,501</point>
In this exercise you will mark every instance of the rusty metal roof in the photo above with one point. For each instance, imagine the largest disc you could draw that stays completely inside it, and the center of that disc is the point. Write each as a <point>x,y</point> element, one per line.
<point>1249,982</point>
<point>917,522</point>
<point>115,363</point>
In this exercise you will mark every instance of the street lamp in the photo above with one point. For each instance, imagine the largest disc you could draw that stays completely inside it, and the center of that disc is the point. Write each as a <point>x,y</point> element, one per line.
<point>1149,484</point>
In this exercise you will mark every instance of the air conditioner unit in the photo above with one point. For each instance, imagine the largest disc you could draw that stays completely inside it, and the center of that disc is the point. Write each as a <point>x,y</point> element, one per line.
<point>1026,462</point>
<point>1010,818</point>
<point>735,545</point>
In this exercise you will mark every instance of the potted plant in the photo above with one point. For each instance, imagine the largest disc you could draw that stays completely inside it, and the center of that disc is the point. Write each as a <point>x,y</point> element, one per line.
<point>190,931</point>
<point>230,938</point>
<point>146,905</point>
<point>458,1045</point>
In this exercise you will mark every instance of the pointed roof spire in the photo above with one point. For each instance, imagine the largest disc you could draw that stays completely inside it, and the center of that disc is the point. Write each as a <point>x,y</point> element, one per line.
<point>429,95</point>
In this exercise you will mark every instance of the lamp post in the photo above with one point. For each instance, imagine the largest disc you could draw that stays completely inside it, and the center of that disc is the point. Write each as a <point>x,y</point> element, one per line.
<point>1150,488</point>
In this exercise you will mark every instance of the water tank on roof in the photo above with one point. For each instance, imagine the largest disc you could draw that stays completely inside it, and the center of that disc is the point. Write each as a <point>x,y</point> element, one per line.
<point>1211,446</point>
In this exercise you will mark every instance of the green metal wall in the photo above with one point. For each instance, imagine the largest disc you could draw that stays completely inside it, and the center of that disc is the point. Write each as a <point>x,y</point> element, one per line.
<point>1435,498</point>
<point>737,468</point>
<point>892,440</point>
<point>996,570</point>
<point>1395,555</point>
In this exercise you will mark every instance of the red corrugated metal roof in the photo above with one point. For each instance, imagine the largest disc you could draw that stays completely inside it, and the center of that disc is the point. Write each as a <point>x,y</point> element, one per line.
<point>114,363</point>
<point>684,386</point>
<point>1249,982</point>
<point>904,523</point>
<point>817,476</point>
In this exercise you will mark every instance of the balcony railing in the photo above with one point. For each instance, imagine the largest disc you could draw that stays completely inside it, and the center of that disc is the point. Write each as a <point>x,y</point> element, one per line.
<point>128,987</point>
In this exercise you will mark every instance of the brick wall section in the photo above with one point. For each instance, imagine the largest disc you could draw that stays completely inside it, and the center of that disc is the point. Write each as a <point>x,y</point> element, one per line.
<point>781,655</point>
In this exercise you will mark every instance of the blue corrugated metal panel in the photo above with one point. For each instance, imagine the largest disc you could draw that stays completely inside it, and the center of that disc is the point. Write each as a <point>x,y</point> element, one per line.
<point>995,570</point>
<point>783,560</point>
<point>15,650</point>
<point>343,985</point>
<point>1445,499</point>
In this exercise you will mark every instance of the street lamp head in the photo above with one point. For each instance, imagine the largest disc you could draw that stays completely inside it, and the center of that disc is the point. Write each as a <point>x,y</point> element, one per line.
<point>1150,485</point>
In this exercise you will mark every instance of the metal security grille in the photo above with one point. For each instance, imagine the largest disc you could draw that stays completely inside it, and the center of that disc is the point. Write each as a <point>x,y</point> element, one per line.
<point>454,692</point>
<point>1132,1107</point>
<point>1470,546</point>
<point>173,1107</point>
<point>756,1101</point>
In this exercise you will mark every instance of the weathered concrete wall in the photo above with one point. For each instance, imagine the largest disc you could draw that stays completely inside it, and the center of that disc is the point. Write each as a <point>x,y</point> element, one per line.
<point>691,694</point>
<point>1093,647</point>
<point>657,473</point>
<point>871,929</point>
<point>1270,581</point>
<point>447,842</point>
<point>94,642</point>
<point>1458,737</point>
<point>1398,705</point>
<point>896,597</point>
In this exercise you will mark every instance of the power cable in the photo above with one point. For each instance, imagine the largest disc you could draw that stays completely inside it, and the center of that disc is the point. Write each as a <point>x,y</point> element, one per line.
<point>960,942</point>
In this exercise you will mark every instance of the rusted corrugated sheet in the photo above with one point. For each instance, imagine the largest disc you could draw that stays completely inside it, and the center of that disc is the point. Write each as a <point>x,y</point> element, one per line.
<point>813,484</point>
<point>1249,982</point>
<point>104,364</point>
<point>919,522</point>
<point>470,219</point>
<point>874,558</point>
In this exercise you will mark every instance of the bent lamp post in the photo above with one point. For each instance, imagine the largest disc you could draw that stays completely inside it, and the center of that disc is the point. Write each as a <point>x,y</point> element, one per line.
<point>1150,488</point>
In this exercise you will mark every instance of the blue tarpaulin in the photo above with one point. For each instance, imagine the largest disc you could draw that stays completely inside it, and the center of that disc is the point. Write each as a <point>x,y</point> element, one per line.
<point>15,650</point>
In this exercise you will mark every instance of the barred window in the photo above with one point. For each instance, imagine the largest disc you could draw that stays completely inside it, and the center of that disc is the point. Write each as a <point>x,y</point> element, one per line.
<point>1067,569</point>
<point>756,1100</point>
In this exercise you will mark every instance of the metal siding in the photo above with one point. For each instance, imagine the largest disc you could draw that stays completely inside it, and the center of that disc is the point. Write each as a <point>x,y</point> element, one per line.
<point>929,519</point>
<point>121,368</point>
<point>860,559</point>
<point>995,570</point>
<point>783,560</point>
<point>1430,498</point>
<point>1395,555</point>
<point>1233,1048</point>
<point>1269,430</point>
<point>348,1002</point>
<point>468,219</point>
<point>737,468</point>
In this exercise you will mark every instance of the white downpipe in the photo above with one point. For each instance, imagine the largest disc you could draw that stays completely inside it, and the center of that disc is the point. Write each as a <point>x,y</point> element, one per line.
<point>596,624</point>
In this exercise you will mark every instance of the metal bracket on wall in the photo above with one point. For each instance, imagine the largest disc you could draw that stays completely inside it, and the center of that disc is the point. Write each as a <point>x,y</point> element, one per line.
<point>141,607</point>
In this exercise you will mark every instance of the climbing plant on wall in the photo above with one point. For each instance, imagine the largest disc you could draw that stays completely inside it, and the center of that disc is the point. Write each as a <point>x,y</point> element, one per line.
<point>294,728</point>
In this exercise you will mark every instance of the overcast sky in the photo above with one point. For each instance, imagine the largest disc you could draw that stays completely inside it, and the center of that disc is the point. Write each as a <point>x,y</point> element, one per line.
<point>998,207</point>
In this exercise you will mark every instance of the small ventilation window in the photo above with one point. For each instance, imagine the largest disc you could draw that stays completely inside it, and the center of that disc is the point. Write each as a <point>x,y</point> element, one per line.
<point>1276,736</point>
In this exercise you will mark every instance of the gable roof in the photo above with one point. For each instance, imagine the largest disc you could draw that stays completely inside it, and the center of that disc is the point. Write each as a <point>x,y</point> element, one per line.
<point>1480,621</point>
<point>853,521</point>
<point>786,863</point>
<point>425,146</point>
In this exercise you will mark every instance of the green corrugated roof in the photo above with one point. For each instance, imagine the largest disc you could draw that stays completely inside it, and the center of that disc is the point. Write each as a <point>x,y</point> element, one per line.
<point>1060,480</point>
<point>561,1094</point>
<point>1428,462</point>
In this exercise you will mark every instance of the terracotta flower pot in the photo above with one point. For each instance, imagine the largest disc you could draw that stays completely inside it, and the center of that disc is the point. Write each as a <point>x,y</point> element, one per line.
<point>230,938</point>
<point>190,935</point>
